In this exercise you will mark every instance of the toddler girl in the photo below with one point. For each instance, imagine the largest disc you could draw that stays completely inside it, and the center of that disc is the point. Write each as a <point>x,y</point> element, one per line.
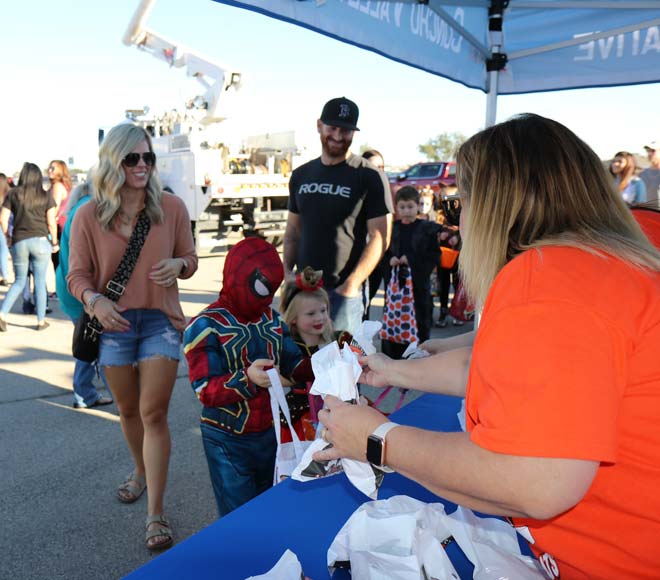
<point>306,309</point>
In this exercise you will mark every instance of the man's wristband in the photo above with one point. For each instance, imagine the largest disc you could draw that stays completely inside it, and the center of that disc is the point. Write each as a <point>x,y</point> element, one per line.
<point>184,267</point>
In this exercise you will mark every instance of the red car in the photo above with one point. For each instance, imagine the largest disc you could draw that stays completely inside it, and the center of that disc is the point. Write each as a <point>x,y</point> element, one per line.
<point>434,174</point>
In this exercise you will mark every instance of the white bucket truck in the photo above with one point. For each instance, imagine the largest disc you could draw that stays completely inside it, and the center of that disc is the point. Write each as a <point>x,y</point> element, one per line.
<point>228,185</point>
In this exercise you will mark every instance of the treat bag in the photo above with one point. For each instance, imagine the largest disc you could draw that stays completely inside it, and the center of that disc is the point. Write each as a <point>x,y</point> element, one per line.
<point>396,539</point>
<point>336,372</point>
<point>291,453</point>
<point>382,539</point>
<point>414,351</point>
<point>399,322</point>
<point>492,546</point>
<point>461,308</point>
<point>364,336</point>
<point>287,568</point>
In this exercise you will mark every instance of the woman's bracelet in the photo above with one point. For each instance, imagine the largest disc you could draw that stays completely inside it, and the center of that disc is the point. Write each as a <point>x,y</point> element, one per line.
<point>93,300</point>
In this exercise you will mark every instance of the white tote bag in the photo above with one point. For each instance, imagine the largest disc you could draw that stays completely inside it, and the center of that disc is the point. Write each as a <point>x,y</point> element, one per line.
<point>288,454</point>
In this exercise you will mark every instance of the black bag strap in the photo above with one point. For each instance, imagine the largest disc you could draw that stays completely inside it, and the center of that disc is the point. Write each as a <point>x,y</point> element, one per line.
<point>117,285</point>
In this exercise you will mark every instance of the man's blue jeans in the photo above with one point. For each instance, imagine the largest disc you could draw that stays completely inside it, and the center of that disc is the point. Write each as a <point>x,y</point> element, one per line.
<point>39,250</point>
<point>241,466</point>
<point>84,391</point>
<point>346,313</point>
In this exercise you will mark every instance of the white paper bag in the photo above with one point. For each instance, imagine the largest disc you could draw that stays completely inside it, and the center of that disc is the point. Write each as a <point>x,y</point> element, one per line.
<point>289,454</point>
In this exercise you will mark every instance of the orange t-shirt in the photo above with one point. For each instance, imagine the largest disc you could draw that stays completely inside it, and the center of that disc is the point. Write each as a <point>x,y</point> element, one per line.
<point>566,363</point>
<point>649,221</point>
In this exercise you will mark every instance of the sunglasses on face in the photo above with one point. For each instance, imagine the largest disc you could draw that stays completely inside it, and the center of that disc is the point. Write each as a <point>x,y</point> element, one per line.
<point>132,159</point>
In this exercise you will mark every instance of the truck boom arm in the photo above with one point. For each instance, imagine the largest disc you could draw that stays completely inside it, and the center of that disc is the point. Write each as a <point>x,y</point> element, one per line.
<point>215,77</point>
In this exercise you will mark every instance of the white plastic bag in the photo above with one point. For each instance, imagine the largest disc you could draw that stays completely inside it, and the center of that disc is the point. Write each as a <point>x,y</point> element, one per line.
<point>336,372</point>
<point>414,351</point>
<point>364,337</point>
<point>287,568</point>
<point>393,539</point>
<point>400,539</point>
<point>492,546</point>
<point>289,454</point>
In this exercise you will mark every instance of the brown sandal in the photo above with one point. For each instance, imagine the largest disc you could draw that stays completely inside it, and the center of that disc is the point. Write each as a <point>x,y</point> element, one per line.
<point>163,529</point>
<point>132,488</point>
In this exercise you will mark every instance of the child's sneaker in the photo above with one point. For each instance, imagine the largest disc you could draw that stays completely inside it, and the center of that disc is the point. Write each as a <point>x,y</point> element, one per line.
<point>457,322</point>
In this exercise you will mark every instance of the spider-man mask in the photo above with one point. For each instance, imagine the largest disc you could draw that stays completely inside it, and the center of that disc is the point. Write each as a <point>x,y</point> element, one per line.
<point>252,274</point>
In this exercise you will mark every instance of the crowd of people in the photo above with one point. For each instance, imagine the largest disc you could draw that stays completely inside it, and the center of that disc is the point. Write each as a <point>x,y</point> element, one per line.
<point>561,379</point>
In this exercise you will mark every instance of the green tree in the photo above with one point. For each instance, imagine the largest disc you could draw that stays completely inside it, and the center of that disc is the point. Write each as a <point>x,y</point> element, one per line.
<point>442,147</point>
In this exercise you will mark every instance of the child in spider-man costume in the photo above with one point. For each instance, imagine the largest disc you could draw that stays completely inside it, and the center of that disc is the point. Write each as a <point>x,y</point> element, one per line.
<point>229,346</point>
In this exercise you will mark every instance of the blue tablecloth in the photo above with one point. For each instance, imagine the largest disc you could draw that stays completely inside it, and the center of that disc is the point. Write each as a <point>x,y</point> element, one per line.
<point>303,517</point>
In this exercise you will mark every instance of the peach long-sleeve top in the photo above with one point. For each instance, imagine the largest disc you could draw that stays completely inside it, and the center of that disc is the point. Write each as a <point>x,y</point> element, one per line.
<point>96,253</point>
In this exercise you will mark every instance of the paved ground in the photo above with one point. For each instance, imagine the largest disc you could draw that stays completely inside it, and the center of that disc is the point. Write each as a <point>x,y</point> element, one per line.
<point>59,467</point>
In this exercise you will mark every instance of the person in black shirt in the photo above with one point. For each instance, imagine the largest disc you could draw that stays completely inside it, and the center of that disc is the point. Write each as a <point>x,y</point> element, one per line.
<point>339,215</point>
<point>415,244</point>
<point>34,220</point>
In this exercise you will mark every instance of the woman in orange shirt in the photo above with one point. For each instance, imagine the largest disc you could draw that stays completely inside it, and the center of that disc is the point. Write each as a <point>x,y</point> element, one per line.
<point>562,384</point>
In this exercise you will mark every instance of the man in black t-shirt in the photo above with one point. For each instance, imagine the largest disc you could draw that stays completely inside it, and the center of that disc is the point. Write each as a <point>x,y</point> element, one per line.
<point>339,215</point>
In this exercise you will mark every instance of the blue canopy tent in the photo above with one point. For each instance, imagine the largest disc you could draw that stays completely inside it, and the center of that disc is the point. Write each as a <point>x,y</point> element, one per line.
<point>501,47</point>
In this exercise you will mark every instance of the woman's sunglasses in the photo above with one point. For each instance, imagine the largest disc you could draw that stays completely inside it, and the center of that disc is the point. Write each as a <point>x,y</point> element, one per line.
<point>132,159</point>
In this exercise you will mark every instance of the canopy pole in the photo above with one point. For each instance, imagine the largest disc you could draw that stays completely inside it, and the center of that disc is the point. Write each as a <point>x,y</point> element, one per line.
<point>491,98</point>
<point>497,60</point>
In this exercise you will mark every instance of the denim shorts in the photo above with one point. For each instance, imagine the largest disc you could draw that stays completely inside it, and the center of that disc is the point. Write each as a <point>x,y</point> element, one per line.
<point>151,336</point>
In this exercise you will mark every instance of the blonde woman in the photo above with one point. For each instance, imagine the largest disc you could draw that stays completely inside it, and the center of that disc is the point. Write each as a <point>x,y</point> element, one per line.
<point>140,346</point>
<point>563,381</point>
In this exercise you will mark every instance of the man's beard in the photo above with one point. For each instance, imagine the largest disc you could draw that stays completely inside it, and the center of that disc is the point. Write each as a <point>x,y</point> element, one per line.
<point>334,148</point>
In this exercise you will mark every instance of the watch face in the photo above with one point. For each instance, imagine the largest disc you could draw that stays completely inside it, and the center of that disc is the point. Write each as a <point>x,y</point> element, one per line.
<point>375,450</point>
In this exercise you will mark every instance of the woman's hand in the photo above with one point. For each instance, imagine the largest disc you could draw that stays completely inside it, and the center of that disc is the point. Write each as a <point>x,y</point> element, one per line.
<point>256,372</point>
<point>375,370</point>
<point>108,313</point>
<point>347,427</point>
<point>165,272</point>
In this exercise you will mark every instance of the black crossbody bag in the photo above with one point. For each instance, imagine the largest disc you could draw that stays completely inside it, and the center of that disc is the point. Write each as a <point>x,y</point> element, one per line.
<point>87,333</point>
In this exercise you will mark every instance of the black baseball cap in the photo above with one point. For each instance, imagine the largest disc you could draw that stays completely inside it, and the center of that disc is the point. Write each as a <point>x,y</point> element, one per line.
<point>341,112</point>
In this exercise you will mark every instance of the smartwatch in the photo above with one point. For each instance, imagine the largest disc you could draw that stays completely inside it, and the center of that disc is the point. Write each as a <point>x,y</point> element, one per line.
<point>376,446</point>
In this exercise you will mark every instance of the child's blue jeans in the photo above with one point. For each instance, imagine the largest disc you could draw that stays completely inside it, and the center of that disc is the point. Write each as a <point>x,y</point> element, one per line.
<point>241,466</point>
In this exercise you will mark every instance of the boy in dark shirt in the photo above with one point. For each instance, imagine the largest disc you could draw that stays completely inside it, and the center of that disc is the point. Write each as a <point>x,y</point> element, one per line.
<point>414,244</point>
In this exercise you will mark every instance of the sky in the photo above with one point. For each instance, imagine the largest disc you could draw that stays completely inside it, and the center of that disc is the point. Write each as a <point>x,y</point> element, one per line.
<point>66,73</point>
